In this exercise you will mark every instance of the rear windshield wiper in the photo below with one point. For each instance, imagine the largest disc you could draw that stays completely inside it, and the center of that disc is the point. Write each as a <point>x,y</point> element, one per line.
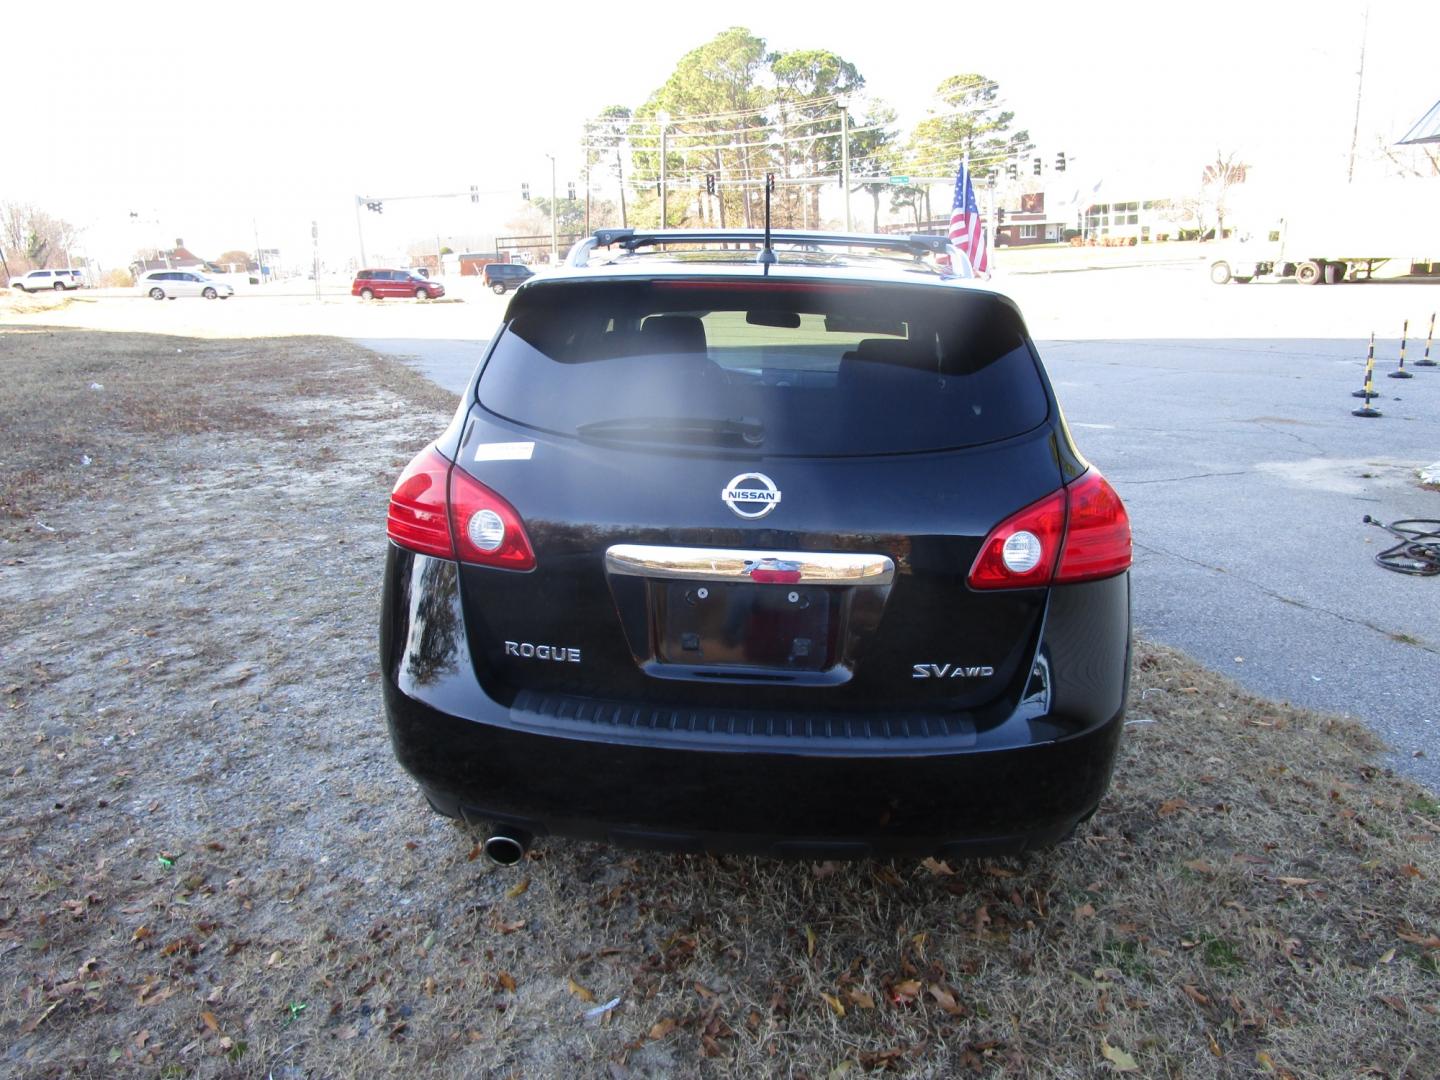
<point>745,431</point>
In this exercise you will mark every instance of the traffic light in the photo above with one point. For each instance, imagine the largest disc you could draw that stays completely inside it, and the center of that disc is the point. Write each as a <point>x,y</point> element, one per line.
<point>474,192</point>
<point>1036,165</point>
<point>710,183</point>
<point>1014,171</point>
<point>571,195</point>
<point>525,192</point>
<point>1060,161</point>
<point>1000,216</point>
<point>376,206</point>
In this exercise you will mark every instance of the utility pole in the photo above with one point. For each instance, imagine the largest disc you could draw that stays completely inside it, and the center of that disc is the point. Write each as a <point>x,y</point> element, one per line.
<point>620,175</point>
<point>554,236</point>
<point>259,255</point>
<point>315,254</point>
<point>587,199</point>
<point>1359,87</point>
<point>664,118</point>
<point>360,231</point>
<point>845,160</point>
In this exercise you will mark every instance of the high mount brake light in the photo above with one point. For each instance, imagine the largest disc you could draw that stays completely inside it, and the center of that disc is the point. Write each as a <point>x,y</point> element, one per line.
<point>768,285</point>
<point>1079,533</point>
<point>474,523</point>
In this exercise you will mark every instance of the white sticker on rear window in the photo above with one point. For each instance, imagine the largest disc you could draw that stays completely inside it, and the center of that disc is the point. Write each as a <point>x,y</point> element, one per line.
<point>504,451</point>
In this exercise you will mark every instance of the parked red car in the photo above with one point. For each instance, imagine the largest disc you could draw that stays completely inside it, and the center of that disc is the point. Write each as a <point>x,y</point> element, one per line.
<point>377,284</point>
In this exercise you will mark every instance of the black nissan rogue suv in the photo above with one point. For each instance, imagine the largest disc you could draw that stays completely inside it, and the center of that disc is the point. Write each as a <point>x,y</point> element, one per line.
<point>776,546</point>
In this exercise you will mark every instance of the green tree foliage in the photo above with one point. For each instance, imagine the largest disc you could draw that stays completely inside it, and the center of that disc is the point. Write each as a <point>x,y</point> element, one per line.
<point>720,77</point>
<point>569,217</point>
<point>970,121</point>
<point>808,125</point>
<point>606,141</point>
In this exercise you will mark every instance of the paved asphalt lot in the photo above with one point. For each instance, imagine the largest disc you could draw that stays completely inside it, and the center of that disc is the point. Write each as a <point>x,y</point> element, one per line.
<point>1222,415</point>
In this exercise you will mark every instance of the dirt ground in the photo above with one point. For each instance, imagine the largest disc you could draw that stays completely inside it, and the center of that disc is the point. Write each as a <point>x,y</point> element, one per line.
<point>210,864</point>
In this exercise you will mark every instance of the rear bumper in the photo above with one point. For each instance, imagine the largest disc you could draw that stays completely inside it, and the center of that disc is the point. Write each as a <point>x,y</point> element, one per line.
<point>1024,783</point>
<point>789,805</point>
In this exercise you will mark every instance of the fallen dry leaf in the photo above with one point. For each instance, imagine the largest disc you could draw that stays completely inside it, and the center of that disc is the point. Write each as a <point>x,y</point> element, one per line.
<point>661,1028</point>
<point>905,992</point>
<point>506,981</point>
<point>580,992</point>
<point>208,1018</point>
<point>935,866</point>
<point>946,1000</point>
<point>1122,1061</point>
<point>1200,866</point>
<point>518,889</point>
<point>860,998</point>
<point>1194,994</point>
<point>834,1003</point>
<point>809,942</point>
<point>1394,1002</point>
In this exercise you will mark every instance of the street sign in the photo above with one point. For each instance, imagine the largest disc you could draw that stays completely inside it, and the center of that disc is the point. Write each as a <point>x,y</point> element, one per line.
<point>899,180</point>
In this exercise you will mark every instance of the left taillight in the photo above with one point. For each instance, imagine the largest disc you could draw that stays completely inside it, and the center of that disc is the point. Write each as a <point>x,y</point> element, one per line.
<point>437,510</point>
<point>417,506</point>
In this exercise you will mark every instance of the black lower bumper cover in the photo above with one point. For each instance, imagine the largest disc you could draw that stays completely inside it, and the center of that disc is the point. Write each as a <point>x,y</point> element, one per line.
<point>789,805</point>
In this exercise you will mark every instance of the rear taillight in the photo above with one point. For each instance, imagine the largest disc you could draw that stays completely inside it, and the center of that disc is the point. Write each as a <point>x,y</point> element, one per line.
<point>1031,536</point>
<point>1078,533</point>
<point>417,506</point>
<point>485,528</point>
<point>1097,538</point>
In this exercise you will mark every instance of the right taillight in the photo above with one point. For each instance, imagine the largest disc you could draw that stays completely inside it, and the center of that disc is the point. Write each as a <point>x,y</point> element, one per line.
<point>472,522</point>
<point>1079,533</point>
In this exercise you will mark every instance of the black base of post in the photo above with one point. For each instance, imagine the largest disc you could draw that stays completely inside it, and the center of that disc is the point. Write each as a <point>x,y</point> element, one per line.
<point>1366,394</point>
<point>1401,374</point>
<point>1366,412</point>
<point>1426,363</point>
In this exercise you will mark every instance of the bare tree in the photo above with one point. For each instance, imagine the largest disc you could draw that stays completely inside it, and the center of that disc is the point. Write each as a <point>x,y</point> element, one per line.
<point>1216,180</point>
<point>34,239</point>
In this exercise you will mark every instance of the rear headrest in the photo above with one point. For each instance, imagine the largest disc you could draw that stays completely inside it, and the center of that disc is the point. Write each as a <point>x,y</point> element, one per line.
<point>894,351</point>
<point>672,334</point>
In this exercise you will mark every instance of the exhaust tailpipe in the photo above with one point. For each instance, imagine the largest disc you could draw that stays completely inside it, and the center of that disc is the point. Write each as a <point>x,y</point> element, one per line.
<point>506,847</point>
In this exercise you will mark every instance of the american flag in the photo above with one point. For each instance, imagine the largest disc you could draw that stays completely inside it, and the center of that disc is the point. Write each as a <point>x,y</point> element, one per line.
<point>967,228</point>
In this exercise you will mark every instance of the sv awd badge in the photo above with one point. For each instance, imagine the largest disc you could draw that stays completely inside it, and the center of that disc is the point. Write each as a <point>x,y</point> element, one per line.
<point>951,671</point>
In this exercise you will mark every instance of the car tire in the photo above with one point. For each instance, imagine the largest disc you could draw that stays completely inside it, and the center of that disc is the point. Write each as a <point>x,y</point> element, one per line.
<point>209,293</point>
<point>157,293</point>
<point>422,294</point>
<point>1220,272</point>
<point>367,294</point>
<point>1309,273</point>
<point>498,288</point>
<point>59,286</point>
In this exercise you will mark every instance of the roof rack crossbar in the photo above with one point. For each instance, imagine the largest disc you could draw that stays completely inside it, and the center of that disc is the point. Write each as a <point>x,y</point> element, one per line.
<point>631,239</point>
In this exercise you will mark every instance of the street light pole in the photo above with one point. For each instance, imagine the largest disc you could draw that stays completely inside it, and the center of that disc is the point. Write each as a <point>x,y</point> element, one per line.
<point>845,160</point>
<point>360,231</point>
<point>554,236</point>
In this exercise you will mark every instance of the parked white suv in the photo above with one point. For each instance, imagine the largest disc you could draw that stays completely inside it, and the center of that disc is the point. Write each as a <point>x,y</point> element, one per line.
<point>36,280</point>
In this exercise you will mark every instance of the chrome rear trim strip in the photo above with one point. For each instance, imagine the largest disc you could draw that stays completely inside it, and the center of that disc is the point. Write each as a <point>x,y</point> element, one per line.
<point>724,564</point>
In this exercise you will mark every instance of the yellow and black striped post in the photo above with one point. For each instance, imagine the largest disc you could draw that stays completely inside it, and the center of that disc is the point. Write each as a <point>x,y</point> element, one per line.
<point>1368,390</point>
<point>1401,373</point>
<point>1425,361</point>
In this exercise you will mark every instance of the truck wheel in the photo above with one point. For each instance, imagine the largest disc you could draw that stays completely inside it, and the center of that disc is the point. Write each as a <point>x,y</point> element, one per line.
<point>1335,272</point>
<point>1243,280</point>
<point>1220,272</point>
<point>1309,273</point>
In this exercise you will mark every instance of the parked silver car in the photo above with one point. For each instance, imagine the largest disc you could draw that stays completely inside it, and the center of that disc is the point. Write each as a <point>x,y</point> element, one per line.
<point>169,284</point>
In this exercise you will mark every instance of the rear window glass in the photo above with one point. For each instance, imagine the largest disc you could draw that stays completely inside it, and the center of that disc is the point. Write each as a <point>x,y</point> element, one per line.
<point>786,367</point>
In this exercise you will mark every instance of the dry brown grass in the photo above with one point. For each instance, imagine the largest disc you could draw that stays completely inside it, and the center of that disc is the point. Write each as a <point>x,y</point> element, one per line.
<point>211,866</point>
